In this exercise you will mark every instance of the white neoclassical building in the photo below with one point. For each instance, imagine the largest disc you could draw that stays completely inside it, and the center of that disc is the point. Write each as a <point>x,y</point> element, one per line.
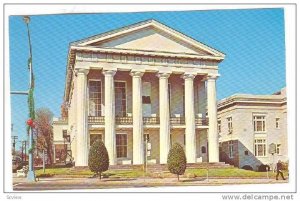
<point>142,82</point>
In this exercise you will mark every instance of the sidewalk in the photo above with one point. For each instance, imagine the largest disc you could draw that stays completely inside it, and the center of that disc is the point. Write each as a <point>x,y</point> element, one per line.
<point>108,183</point>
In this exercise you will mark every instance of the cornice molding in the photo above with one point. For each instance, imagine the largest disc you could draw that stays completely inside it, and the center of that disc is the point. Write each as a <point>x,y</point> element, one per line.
<point>93,49</point>
<point>144,60</point>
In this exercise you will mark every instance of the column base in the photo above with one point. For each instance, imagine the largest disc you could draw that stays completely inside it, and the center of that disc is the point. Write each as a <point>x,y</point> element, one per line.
<point>31,176</point>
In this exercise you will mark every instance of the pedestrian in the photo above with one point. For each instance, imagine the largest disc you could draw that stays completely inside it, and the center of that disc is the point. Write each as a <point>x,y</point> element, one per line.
<point>279,170</point>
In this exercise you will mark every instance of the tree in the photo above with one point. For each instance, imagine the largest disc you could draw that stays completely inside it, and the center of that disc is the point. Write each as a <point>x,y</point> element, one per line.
<point>98,158</point>
<point>176,160</point>
<point>44,132</point>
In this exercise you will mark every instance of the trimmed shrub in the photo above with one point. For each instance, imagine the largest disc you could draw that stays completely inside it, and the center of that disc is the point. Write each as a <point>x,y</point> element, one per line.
<point>247,167</point>
<point>263,168</point>
<point>98,158</point>
<point>176,160</point>
<point>285,165</point>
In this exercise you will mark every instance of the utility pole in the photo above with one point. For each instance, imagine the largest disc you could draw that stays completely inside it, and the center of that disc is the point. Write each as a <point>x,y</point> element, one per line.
<point>22,153</point>
<point>14,138</point>
<point>24,142</point>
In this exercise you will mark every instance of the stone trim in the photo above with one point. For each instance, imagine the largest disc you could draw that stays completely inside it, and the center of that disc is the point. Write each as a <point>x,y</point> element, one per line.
<point>145,59</point>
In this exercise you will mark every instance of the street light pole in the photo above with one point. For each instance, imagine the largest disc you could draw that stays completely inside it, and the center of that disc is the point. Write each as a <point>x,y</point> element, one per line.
<point>30,174</point>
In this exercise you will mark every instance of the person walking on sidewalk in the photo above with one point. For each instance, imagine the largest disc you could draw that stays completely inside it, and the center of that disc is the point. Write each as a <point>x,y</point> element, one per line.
<point>279,170</point>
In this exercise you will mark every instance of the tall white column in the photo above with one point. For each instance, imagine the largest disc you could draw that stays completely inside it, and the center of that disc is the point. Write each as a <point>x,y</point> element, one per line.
<point>190,135</point>
<point>110,132</point>
<point>213,141</point>
<point>82,120</point>
<point>137,114</point>
<point>164,117</point>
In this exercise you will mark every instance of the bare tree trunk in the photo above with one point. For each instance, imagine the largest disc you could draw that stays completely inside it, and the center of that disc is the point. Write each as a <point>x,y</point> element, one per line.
<point>178,177</point>
<point>100,175</point>
<point>49,154</point>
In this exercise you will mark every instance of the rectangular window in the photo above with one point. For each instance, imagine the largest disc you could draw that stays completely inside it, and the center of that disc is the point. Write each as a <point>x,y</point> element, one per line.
<point>146,93</point>
<point>219,126</point>
<point>277,120</point>
<point>229,123</point>
<point>146,137</point>
<point>259,123</point>
<point>278,149</point>
<point>230,149</point>
<point>121,145</point>
<point>95,91</point>
<point>120,94</point>
<point>94,138</point>
<point>65,133</point>
<point>260,147</point>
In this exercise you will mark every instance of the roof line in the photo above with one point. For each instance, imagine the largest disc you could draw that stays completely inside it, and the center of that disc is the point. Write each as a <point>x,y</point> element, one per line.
<point>215,51</point>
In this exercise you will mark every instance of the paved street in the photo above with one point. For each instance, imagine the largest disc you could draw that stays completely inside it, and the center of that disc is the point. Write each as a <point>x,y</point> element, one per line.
<point>20,184</point>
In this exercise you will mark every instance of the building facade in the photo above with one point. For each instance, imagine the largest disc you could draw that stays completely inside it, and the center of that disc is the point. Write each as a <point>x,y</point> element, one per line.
<point>140,89</point>
<point>253,129</point>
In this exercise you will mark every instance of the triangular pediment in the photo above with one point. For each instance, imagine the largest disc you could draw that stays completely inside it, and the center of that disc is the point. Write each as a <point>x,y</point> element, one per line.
<point>150,36</point>
<point>149,39</point>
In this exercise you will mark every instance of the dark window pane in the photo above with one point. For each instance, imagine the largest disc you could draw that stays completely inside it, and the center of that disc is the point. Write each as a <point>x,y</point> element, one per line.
<point>203,149</point>
<point>146,100</point>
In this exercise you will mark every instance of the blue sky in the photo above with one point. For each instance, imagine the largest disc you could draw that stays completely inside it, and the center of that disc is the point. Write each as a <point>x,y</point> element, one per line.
<point>252,39</point>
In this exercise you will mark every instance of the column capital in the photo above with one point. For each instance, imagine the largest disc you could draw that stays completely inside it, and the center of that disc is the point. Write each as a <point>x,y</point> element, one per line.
<point>212,77</point>
<point>188,76</point>
<point>136,73</point>
<point>163,75</point>
<point>109,72</point>
<point>81,71</point>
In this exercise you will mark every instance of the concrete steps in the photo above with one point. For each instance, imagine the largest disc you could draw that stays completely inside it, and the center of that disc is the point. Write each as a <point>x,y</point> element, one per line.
<point>163,167</point>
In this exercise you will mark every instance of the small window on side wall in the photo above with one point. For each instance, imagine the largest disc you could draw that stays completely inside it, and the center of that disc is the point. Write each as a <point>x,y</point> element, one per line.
<point>277,120</point>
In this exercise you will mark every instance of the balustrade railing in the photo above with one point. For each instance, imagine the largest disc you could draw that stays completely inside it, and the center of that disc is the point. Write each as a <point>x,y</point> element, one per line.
<point>96,120</point>
<point>177,120</point>
<point>201,121</point>
<point>124,120</point>
<point>100,120</point>
<point>151,120</point>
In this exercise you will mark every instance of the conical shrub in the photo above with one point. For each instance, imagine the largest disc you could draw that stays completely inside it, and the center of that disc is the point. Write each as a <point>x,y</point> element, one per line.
<point>177,160</point>
<point>98,158</point>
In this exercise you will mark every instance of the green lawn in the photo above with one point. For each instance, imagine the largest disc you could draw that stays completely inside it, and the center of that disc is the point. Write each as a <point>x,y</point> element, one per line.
<point>230,172</point>
<point>226,173</point>
<point>88,173</point>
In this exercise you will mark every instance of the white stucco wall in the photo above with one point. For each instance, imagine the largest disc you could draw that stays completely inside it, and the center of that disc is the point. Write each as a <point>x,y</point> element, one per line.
<point>243,131</point>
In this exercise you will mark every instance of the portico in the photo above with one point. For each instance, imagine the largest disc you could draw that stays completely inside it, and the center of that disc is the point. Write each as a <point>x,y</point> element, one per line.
<point>145,81</point>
